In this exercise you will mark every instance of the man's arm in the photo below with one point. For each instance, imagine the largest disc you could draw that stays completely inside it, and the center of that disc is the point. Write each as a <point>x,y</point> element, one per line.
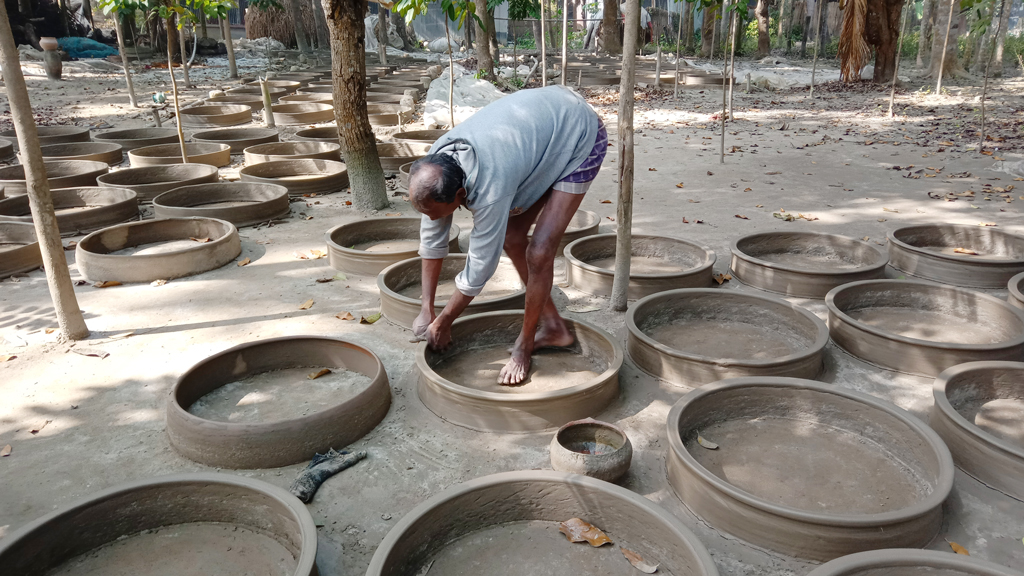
<point>433,249</point>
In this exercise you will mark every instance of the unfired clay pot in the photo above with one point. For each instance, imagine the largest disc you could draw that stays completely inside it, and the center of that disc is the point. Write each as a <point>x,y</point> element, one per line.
<point>592,448</point>
<point>910,562</point>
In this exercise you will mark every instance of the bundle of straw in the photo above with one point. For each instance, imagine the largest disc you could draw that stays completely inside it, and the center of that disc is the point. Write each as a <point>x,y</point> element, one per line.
<point>854,51</point>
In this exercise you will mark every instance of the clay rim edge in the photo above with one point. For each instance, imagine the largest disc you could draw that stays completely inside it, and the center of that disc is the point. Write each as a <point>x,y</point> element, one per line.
<point>966,259</point>
<point>417,302</point>
<point>846,319</point>
<point>709,258</point>
<point>816,348</point>
<point>943,484</point>
<point>880,263</point>
<point>853,564</point>
<point>1014,287</point>
<point>143,257</point>
<point>453,233</point>
<point>943,405</point>
<point>614,366</point>
<point>680,532</point>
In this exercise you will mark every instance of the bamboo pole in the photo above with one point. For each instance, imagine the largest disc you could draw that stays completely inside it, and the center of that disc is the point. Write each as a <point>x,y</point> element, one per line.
<point>945,43</point>
<point>817,42</point>
<point>451,73</point>
<point>124,60</point>
<point>896,69</point>
<point>679,39</point>
<point>721,155</point>
<point>174,92</point>
<point>565,37</point>
<point>58,279</point>
<point>225,27</point>
<point>624,211</point>
<point>984,87</point>
<point>732,58</point>
<point>543,50</point>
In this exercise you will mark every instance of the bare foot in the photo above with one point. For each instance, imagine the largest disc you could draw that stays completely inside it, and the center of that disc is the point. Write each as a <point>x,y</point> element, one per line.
<point>515,371</point>
<point>553,335</point>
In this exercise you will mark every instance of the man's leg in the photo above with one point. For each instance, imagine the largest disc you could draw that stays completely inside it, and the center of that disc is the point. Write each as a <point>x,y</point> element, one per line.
<point>516,242</point>
<point>559,210</point>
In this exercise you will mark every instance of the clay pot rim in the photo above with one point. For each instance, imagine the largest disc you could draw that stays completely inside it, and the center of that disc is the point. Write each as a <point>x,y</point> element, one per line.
<point>199,171</point>
<point>27,227</point>
<point>408,135</point>
<point>378,379</point>
<point>812,350</point>
<point>101,147</point>
<point>1014,286</point>
<point>680,532</point>
<point>946,408</point>
<point>84,168</point>
<point>830,304</point>
<point>299,165</point>
<point>600,424</point>
<point>157,202</point>
<point>513,400</point>
<point>193,149</point>
<point>305,562</point>
<point>709,255</point>
<point>386,290</point>
<point>199,247</point>
<point>922,507</point>
<point>300,107</point>
<point>853,564</point>
<point>960,259</point>
<point>880,261</point>
<point>134,134</point>
<point>216,110</point>
<point>351,252</point>
<point>205,137</point>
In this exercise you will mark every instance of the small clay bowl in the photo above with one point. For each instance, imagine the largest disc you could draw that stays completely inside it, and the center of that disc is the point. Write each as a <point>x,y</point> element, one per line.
<point>592,448</point>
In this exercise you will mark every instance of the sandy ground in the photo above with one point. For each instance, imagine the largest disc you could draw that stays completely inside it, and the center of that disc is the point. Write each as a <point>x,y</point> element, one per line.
<point>101,421</point>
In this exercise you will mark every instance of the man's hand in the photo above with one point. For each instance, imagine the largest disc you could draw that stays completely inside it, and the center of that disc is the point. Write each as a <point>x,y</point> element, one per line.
<point>422,322</point>
<point>439,335</point>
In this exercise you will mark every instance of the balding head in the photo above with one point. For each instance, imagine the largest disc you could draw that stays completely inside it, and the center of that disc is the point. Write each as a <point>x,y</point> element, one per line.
<point>436,185</point>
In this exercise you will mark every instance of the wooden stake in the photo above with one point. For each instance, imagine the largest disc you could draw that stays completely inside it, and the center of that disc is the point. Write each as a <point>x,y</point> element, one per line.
<point>124,61</point>
<point>268,112</point>
<point>184,56</point>
<point>624,212</point>
<point>721,155</point>
<point>451,73</point>
<point>896,69</point>
<point>945,43</point>
<point>58,279</point>
<point>817,41</point>
<point>543,50</point>
<point>984,87</point>
<point>174,91</point>
<point>565,37</point>
<point>732,59</point>
<point>679,38</point>
<point>225,27</point>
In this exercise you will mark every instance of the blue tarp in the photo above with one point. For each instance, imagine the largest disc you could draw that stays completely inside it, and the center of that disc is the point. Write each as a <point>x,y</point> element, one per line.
<point>85,48</point>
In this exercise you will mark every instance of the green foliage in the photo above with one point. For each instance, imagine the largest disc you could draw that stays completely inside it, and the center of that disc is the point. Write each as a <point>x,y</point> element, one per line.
<point>186,10</point>
<point>526,42</point>
<point>265,5</point>
<point>456,10</point>
<point>521,9</point>
<point>1013,47</point>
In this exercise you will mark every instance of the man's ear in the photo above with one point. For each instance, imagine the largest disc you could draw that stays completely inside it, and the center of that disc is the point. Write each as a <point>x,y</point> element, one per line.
<point>461,194</point>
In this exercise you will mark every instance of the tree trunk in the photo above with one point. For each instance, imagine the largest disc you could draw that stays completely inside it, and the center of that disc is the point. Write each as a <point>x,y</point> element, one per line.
<point>1004,26</point>
<point>610,40</point>
<point>58,279</point>
<point>87,12</point>
<point>764,40</point>
<point>492,35</point>
<point>624,210</point>
<point>124,60</point>
<point>688,27</point>
<point>358,144</point>
<point>225,28</point>
<point>707,31</point>
<point>408,40</point>
<point>951,66</point>
<point>983,45</point>
<point>323,40</point>
<point>169,24</point>
<point>484,60</point>
<point>184,57</point>
<point>925,32</point>
<point>781,34</point>
<point>382,36</point>
<point>292,6</point>
<point>882,32</point>
<point>202,20</point>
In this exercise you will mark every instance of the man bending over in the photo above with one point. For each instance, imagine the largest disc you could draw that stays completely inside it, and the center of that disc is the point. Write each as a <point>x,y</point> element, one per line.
<point>525,159</point>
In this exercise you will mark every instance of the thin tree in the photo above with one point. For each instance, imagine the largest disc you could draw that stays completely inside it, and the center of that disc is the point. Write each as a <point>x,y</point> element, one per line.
<point>484,59</point>
<point>118,9</point>
<point>543,48</point>
<point>679,37</point>
<point>358,144</point>
<point>300,34</point>
<point>610,40</point>
<point>817,42</point>
<point>565,40</point>
<point>225,28</point>
<point>624,211</point>
<point>58,279</point>
<point>168,12</point>
<point>945,42</point>
<point>984,87</point>
<point>925,32</point>
<point>896,70</point>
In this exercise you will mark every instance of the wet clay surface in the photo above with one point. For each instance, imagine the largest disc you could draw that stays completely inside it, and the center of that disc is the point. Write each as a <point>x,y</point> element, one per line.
<point>911,571</point>
<point>279,395</point>
<point>807,465</point>
<point>981,255</point>
<point>725,339</point>
<point>445,289</point>
<point>528,549</point>
<point>930,325</point>
<point>819,261</point>
<point>551,369</point>
<point>643,265</point>
<point>197,549</point>
<point>394,245</point>
<point>156,248</point>
<point>1001,417</point>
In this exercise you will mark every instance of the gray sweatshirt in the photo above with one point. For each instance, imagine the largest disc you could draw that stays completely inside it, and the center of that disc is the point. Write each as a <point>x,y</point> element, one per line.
<point>512,151</point>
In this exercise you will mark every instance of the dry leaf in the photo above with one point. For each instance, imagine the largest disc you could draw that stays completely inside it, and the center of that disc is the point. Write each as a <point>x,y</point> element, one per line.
<point>106,284</point>
<point>759,206</point>
<point>158,282</point>
<point>680,185</point>
<point>958,548</point>
<point>722,278</point>
<point>306,305</point>
<point>965,251</point>
<point>324,280</point>
<point>244,262</point>
<point>807,217</point>
<point>706,443</point>
<point>606,201</point>
<point>369,319</point>
<point>889,210</point>
<point>317,254</point>
<point>581,308</point>
<point>786,217</point>
<point>345,316</point>
<point>50,330</point>
<point>710,173</point>
<point>301,256</point>
<point>39,428</point>
<point>71,245</point>
<point>685,221</point>
<point>748,189</point>
<point>881,219</point>
<point>866,238</point>
<point>5,451</point>
<point>638,562</point>
<point>308,218</point>
<point>339,276</point>
<point>741,217</point>
<point>95,352</point>
<point>200,240</point>
<point>323,372</point>
<point>577,530</point>
<point>987,224</point>
<point>773,173</point>
<point>652,169</point>
<point>7,358</point>
<point>348,202</point>
<point>393,214</point>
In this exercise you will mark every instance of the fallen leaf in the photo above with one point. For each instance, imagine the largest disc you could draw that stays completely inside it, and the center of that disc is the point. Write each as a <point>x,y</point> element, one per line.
<point>807,217</point>
<point>786,217</point>
<point>692,201</point>
<point>965,251</point>
<point>200,240</point>
<point>308,218</point>
<point>301,256</point>
<point>890,210</point>
<point>759,206</point>
<point>710,173</point>
<point>393,214</point>
<point>582,308</point>
<point>160,282</point>
<point>881,219</point>
<point>345,316</point>
<point>680,185</point>
<point>71,245</point>
<point>106,284</point>
<point>577,530</point>
<point>987,224</point>
<point>638,562</point>
<point>685,221</point>
<point>244,262</point>
<point>370,319</point>
<point>652,169</point>
<point>95,352</point>
<point>748,189</point>
<point>741,217</point>
<point>323,372</point>
<point>5,451</point>
<point>866,238</point>
<point>39,429</point>
<point>348,202</point>
<point>706,443</point>
<point>324,280</point>
<point>306,305</point>
<point>7,357</point>
<point>80,282</point>
<point>50,330</point>
<point>722,278</point>
<point>958,548</point>
<point>317,254</point>
<point>340,276</point>
<point>606,201</point>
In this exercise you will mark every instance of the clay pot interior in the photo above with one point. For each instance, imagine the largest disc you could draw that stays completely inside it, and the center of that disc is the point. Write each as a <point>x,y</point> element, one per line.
<point>300,176</point>
<point>19,250</point>
<point>1016,290</point>
<point>420,136</point>
<point>947,238</point>
<point>78,209</point>
<point>323,134</point>
<point>368,246</point>
<point>237,138</point>
<point>590,438</point>
<point>138,137</point>
<point>910,562</point>
<point>241,203</point>
<point>593,448</point>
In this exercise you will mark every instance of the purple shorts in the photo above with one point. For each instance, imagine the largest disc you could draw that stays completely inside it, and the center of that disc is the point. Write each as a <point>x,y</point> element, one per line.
<point>580,180</point>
